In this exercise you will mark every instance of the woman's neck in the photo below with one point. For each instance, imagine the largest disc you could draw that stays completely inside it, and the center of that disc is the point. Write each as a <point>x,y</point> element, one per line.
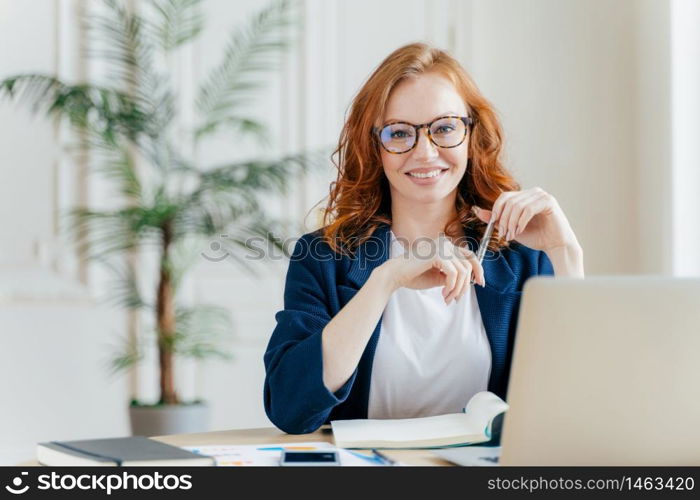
<point>410,220</point>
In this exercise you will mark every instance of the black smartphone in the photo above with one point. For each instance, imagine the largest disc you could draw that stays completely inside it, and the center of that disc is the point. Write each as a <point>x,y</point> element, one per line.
<point>309,458</point>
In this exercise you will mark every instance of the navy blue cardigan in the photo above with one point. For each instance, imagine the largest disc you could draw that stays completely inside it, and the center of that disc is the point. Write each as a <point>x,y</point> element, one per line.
<point>320,282</point>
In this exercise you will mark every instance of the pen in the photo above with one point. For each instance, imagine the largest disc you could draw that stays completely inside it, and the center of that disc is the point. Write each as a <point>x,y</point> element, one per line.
<point>383,458</point>
<point>484,244</point>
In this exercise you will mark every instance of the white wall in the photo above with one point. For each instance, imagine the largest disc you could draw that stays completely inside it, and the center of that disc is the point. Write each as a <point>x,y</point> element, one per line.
<point>585,96</point>
<point>685,43</point>
<point>55,382</point>
<point>28,184</point>
<point>562,75</point>
<point>53,336</point>
<point>653,116</point>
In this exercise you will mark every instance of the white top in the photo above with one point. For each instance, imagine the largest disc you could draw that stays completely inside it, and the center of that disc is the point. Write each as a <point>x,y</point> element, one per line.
<point>431,358</point>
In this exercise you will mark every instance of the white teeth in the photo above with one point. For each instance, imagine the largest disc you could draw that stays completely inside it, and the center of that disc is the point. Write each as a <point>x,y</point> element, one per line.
<point>426,175</point>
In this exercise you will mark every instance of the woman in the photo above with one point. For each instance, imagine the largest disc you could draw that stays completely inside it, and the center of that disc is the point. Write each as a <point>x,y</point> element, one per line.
<point>380,318</point>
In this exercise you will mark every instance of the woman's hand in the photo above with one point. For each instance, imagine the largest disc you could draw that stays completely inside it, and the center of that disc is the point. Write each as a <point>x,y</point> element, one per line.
<point>531,217</point>
<point>439,262</point>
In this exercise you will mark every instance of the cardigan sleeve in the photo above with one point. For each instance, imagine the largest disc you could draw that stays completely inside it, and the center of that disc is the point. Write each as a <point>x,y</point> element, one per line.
<point>544,265</point>
<point>296,399</point>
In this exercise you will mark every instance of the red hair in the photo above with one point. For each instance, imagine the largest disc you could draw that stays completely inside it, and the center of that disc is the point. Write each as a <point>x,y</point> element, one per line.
<point>359,199</point>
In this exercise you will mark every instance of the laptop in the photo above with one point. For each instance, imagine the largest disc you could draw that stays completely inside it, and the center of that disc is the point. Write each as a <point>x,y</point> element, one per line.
<point>605,371</point>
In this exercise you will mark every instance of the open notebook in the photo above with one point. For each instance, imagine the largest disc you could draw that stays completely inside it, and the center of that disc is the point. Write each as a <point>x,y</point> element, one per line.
<point>475,425</point>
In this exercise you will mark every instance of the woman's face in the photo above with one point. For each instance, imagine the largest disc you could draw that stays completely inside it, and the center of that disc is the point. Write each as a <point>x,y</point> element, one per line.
<point>418,100</point>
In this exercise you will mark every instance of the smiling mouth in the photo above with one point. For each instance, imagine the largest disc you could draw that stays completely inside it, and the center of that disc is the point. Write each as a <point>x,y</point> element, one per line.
<point>426,175</point>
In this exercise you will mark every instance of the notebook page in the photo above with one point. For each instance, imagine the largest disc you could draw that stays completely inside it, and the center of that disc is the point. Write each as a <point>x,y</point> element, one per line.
<point>485,405</point>
<point>408,429</point>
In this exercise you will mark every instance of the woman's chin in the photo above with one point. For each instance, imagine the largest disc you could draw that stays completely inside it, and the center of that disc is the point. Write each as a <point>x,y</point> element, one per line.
<point>425,197</point>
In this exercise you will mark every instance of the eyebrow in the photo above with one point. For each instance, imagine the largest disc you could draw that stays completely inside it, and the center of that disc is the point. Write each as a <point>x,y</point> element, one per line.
<point>446,113</point>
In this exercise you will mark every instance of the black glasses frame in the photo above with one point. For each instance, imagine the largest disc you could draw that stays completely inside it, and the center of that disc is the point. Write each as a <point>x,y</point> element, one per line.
<point>467,120</point>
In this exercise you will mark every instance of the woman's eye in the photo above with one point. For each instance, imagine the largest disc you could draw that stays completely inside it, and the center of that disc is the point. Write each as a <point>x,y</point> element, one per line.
<point>399,134</point>
<point>444,129</point>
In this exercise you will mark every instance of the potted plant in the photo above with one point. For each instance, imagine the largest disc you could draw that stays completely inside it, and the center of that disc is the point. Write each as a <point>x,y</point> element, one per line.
<point>166,202</point>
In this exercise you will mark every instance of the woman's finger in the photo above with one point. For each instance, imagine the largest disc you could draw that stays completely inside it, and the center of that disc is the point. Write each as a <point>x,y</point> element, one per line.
<point>468,279</point>
<point>464,273</point>
<point>518,204</point>
<point>506,210</point>
<point>450,275</point>
<point>498,206</point>
<point>483,214</point>
<point>477,273</point>
<point>534,207</point>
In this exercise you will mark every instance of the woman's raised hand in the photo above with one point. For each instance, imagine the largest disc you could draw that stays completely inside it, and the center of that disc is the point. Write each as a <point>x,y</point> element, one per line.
<point>532,217</point>
<point>430,263</point>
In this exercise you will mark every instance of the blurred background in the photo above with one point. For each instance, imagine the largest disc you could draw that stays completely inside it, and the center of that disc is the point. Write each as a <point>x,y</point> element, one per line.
<point>599,99</point>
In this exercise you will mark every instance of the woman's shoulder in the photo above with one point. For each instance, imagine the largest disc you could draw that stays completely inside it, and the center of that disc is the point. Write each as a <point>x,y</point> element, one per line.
<point>345,248</point>
<point>313,260</point>
<point>312,245</point>
<point>313,251</point>
<point>336,262</point>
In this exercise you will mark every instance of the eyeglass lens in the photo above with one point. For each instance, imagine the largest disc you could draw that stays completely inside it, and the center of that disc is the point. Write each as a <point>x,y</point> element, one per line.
<point>446,133</point>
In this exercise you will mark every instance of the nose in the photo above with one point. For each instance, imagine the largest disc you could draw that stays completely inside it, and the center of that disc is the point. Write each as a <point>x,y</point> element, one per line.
<point>425,149</point>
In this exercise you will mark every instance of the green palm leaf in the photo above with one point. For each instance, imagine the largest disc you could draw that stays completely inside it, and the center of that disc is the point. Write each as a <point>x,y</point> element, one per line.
<point>118,166</point>
<point>124,291</point>
<point>105,111</point>
<point>242,124</point>
<point>249,56</point>
<point>101,233</point>
<point>202,330</point>
<point>259,176</point>
<point>126,354</point>
<point>120,38</point>
<point>116,38</point>
<point>177,22</point>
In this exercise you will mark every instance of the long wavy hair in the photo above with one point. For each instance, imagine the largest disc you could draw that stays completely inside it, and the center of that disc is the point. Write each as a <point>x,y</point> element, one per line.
<point>359,200</point>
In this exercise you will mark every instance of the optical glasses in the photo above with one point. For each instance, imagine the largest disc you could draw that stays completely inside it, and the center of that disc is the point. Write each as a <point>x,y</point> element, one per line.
<point>444,132</point>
